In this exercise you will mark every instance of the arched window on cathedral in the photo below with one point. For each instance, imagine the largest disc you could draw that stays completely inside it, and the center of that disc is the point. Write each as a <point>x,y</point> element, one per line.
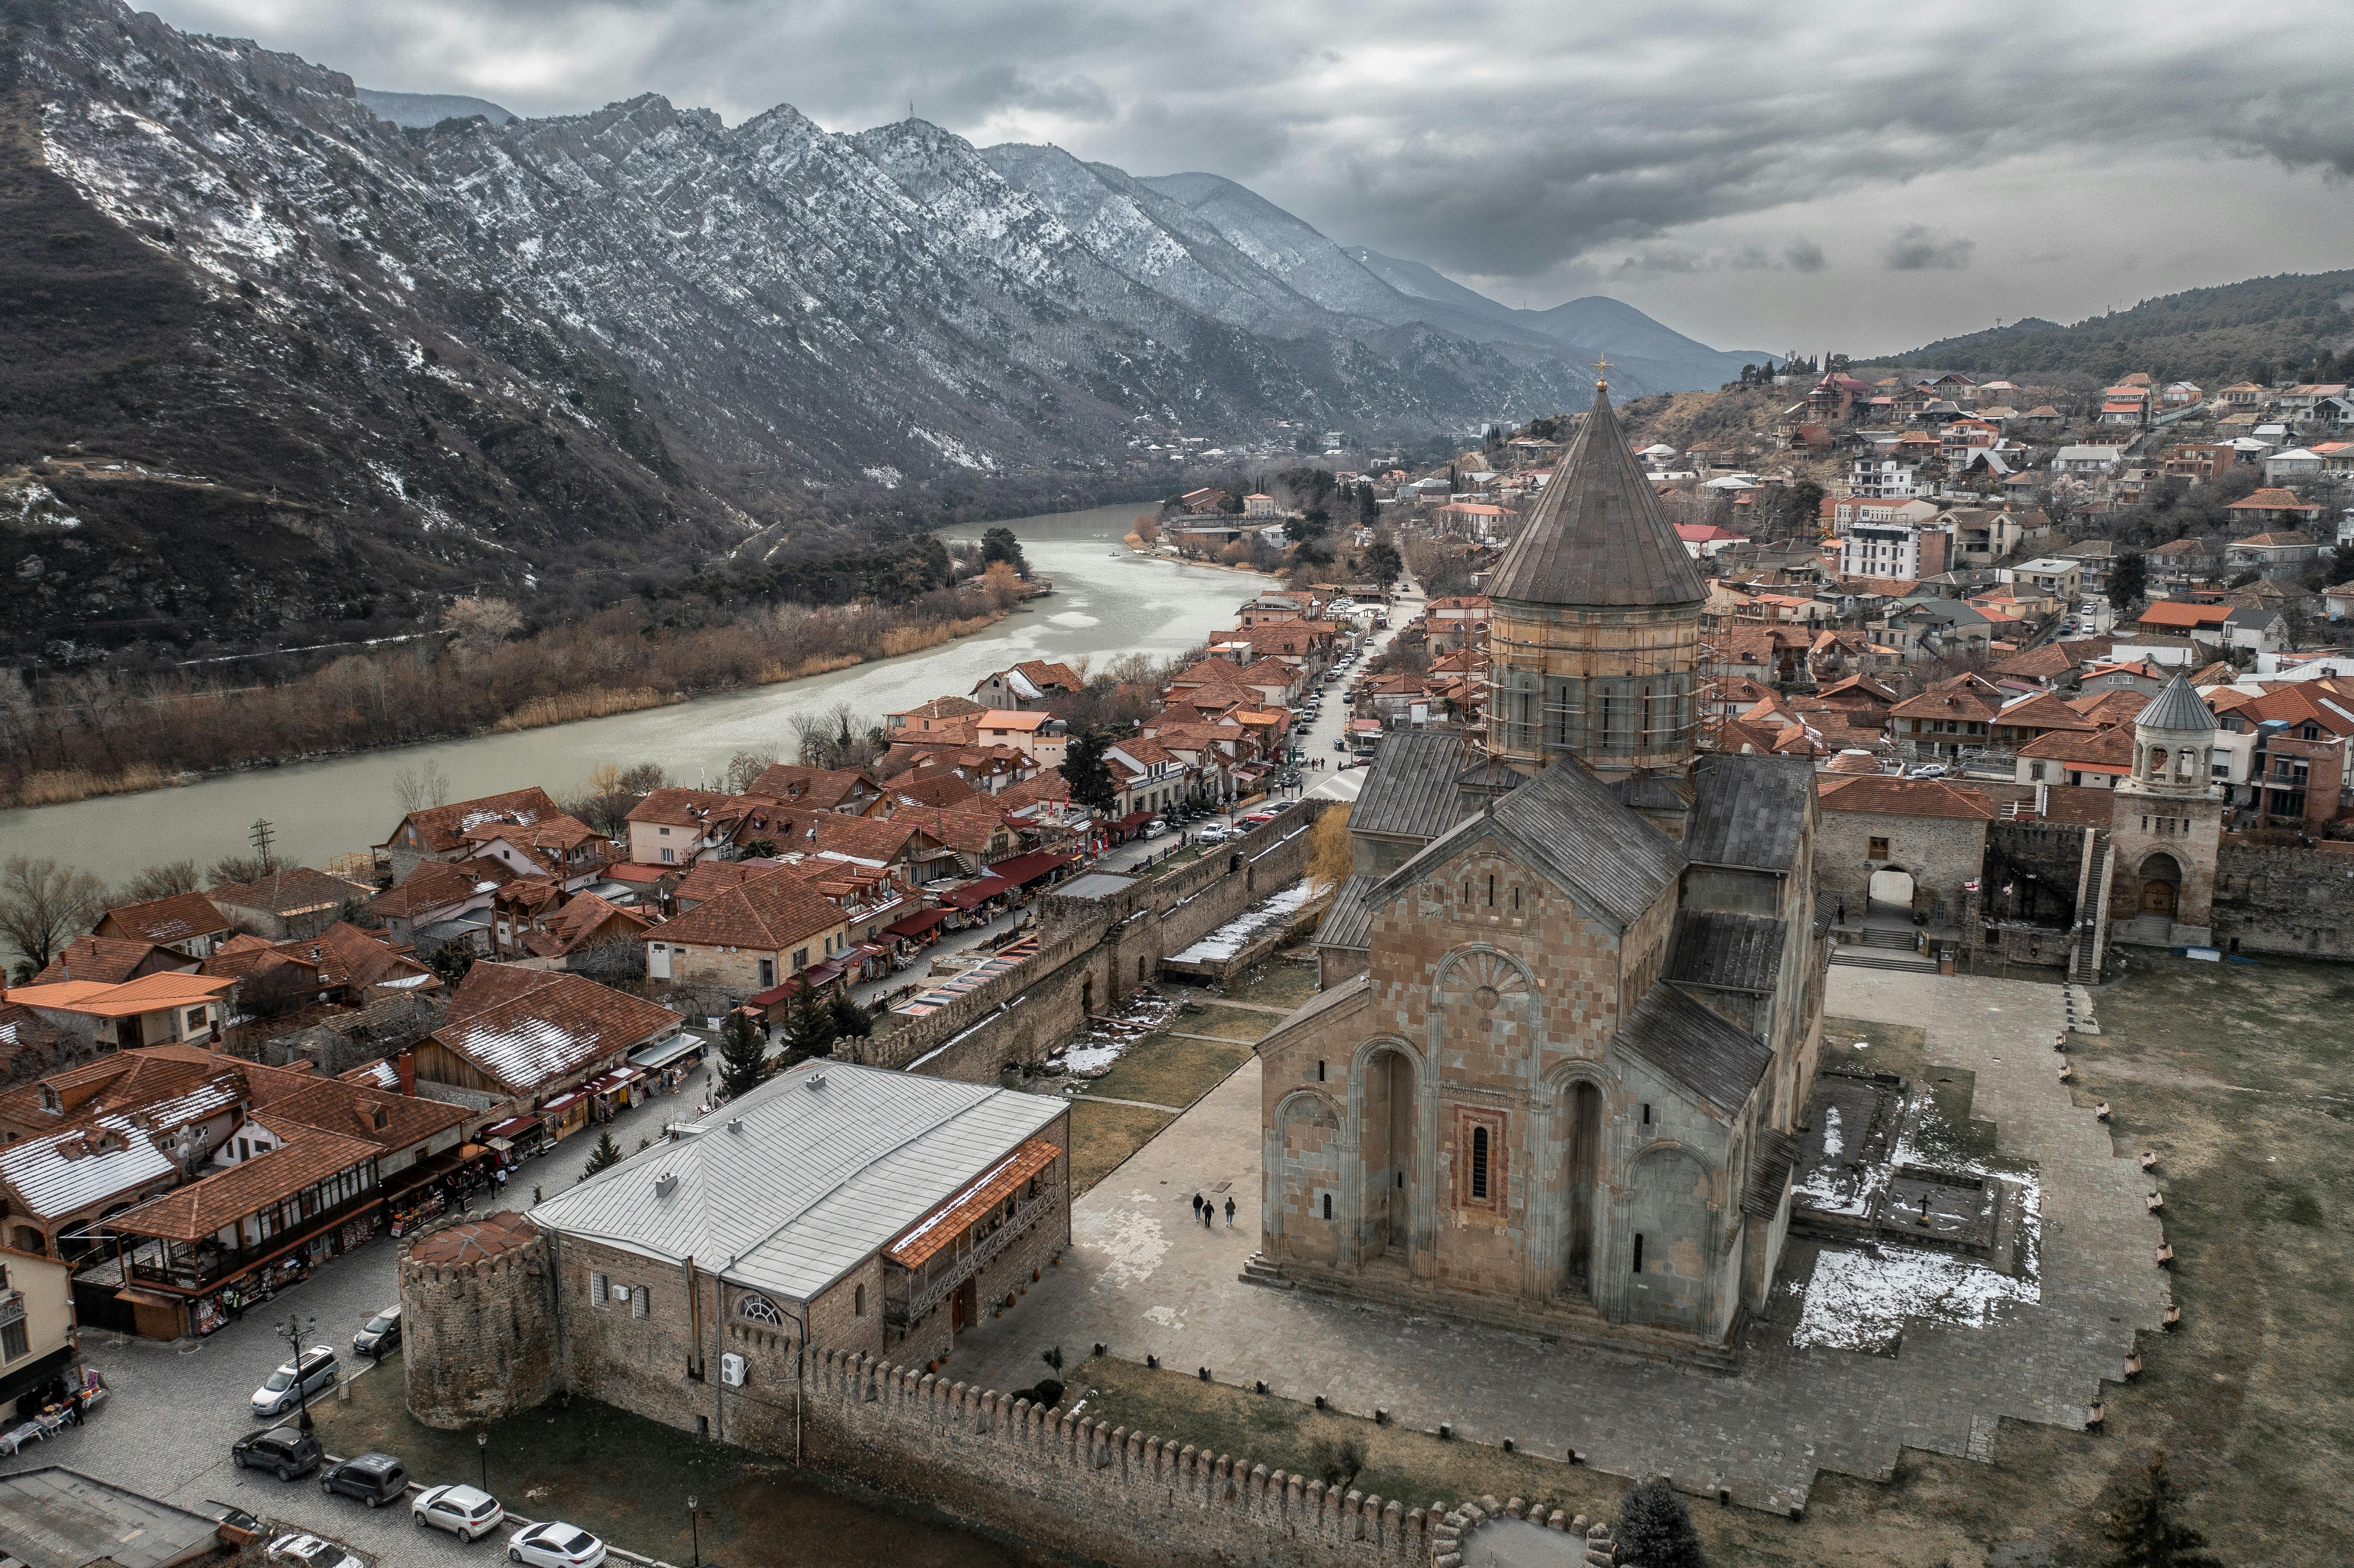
<point>758,1308</point>
<point>1479,1163</point>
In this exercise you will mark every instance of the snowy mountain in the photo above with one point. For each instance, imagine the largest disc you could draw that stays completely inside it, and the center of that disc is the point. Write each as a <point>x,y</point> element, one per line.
<point>302,356</point>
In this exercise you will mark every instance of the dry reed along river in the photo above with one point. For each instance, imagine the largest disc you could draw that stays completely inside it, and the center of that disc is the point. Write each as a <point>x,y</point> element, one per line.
<point>1106,602</point>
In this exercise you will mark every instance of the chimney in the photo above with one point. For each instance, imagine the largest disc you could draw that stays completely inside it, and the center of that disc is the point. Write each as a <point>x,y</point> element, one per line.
<point>405,1065</point>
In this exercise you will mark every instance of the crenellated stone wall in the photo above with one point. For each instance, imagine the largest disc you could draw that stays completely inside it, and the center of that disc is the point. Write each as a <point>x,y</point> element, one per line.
<point>1075,1484</point>
<point>1095,951</point>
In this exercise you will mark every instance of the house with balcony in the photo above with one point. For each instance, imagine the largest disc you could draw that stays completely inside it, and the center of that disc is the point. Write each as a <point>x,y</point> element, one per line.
<point>1983,536</point>
<point>2273,555</point>
<point>751,938</point>
<point>152,1010</point>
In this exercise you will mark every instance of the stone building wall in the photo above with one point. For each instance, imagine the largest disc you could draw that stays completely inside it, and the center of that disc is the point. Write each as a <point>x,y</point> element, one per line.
<point>1941,853</point>
<point>1079,1486</point>
<point>478,1336</point>
<point>2288,900</point>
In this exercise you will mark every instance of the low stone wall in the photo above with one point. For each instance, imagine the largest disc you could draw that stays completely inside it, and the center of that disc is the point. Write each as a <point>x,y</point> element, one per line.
<point>2290,901</point>
<point>1093,953</point>
<point>1081,1486</point>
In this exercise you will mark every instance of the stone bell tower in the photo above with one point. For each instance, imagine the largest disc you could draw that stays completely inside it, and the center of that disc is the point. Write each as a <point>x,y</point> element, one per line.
<point>2167,824</point>
<point>1594,636</point>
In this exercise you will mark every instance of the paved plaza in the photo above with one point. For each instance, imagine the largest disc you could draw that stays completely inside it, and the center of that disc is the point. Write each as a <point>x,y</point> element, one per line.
<point>1144,1277</point>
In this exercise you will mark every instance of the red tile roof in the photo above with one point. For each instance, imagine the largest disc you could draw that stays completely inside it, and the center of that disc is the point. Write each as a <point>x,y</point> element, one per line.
<point>766,914</point>
<point>1887,795</point>
<point>174,919</point>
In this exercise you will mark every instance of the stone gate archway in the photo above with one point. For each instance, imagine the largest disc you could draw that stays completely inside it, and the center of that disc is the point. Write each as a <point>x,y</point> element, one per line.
<point>2161,879</point>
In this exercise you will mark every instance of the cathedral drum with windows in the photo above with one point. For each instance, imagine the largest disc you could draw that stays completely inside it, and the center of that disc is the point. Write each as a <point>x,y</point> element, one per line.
<point>1557,1088</point>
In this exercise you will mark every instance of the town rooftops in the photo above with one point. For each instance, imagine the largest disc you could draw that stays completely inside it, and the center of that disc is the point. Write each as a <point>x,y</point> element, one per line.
<point>202,1208</point>
<point>109,960</point>
<point>764,913</point>
<point>179,918</point>
<point>794,1184</point>
<point>1888,796</point>
<point>148,993</point>
<point>437,830</point>
<point>293,890</point>
<point>2169,613</point>
<point>523,1028</point>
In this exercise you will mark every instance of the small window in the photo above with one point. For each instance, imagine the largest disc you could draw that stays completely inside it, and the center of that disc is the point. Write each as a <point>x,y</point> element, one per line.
<point>1319,1072</point>
<point>1647,1116</point>
<point>597,1290</point>
<point>1328,1205</point>
<point>1638,1252</point>
<point>1479,1163</point>
<point>800,958</point>
<point>858,1302</point>
<point>1879,849</point>
<point>642,1303</point>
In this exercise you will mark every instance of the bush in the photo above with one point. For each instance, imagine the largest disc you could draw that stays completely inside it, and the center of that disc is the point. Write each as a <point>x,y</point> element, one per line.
<point>1655,1530</point>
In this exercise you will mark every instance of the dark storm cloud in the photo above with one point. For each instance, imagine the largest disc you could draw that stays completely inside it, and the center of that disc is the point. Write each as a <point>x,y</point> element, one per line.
<point>1915,250</point>
<point>1502,138</point>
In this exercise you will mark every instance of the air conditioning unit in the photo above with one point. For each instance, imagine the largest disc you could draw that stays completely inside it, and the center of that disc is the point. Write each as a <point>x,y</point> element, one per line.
<point>731,1371</point>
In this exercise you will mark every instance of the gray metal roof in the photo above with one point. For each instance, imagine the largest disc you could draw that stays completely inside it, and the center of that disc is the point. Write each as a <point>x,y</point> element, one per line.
<point>1728,951</point>
<point>1350,922</point>
<point>1694,1046</point>
<point>1748,810</point>
<point>1410,790</point>
<point>1095,884</point>
<point>816,1179</point>
<point>56,1517</point>
<point>1770,1163</point>
<point>1567,822</point>
<point>1598,537</point>
<point>2179,707</point>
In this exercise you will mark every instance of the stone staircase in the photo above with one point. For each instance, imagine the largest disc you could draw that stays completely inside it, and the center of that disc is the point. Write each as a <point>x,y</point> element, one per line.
<point>1260,1270</point>
<point>1886,948</point>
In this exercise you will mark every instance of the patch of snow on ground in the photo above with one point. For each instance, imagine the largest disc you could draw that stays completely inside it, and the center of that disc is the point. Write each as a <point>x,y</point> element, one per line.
<point>1858,1302</point>
<point>1228,939</point>
<point>1833,1144</point>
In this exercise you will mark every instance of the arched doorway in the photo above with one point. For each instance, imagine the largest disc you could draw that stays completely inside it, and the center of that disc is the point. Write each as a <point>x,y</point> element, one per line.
<point>1386,1142</point>
<point>1889,894</point>
<point>1585,1162</point>
<point>2161,885</point>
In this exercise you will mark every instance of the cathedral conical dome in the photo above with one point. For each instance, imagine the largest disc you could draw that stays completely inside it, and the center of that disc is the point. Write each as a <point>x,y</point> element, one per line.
<point>1598,537</point>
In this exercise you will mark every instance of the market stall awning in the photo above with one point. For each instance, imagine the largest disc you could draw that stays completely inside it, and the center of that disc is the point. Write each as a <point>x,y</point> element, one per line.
<point>513,1127</point>
<point>915,925</point>
<point>958,1215</point>
<point>1132,821</point>
<point>977,892</point>
<point>606,1082</point>
<point>1024,869</point>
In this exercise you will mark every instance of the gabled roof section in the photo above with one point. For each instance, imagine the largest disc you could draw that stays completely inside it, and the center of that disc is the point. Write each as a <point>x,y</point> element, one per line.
<point>1570,824</point>
<point>1349,923</point>
<point>1599,536</point>
<point>1748,812</point>
<point>1409,791</point>
<point>1356,988</point>
<point>1694,1047</point>
<point>1724,951</point>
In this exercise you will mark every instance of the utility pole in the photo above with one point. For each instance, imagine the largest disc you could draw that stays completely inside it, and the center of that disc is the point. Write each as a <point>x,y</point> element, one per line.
<point>262,838</point>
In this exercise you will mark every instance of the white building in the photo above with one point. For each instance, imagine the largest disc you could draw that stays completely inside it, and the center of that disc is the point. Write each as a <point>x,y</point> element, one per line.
<point>1881,479</point>
<point>1899,550</point>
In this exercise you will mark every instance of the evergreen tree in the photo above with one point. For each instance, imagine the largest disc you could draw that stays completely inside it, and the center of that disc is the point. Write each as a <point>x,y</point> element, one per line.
<point>1000,545</point>
<point>1655,1530</point>
<point>810,1031</point>
<point>2143,1532</point>
<point>604,1157</point>
<point>2127,579</point>
<point>740,1064</point>
<point>850,1019</point>
<point>1086,773</point>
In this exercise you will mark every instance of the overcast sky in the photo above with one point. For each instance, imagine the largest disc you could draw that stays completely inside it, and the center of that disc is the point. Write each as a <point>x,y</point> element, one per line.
<point>1760,174</point>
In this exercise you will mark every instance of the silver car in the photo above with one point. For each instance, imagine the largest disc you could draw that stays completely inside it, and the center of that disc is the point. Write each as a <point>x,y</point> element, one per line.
<point>278,1394</point>
<point>554,1545</point>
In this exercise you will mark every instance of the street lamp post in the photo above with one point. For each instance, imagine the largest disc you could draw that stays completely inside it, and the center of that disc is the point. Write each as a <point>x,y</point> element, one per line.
<point>296,1328</point>
<point>482,1448</point>
<point>694,1528</point>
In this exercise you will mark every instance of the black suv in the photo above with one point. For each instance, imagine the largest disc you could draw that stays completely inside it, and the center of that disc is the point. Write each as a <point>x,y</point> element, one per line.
<point>285,1449</point>
<point>374,1478</point>
<point>382,1334</point>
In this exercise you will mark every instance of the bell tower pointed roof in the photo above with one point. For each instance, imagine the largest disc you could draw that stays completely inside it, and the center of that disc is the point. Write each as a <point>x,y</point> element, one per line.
<point>1598,537</point>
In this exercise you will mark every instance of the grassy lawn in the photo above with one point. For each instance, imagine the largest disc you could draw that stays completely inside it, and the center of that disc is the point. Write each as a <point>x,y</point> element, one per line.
<point>1102,1136</point>
<point>1226,1023</point>
<point>1162,1071</point>
<point>1275,983</point>
<point>628,1480</point>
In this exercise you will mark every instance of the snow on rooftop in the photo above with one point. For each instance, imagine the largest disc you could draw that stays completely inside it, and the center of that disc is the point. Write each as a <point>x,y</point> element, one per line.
<point>54,1184</point>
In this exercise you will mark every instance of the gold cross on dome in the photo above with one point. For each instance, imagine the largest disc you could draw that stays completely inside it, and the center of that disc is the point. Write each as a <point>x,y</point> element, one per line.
<point>1602,362</point>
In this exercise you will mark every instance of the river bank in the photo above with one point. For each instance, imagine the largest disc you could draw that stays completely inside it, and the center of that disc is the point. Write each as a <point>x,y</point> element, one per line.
<point>1106,602</point>
<point>596,701</point>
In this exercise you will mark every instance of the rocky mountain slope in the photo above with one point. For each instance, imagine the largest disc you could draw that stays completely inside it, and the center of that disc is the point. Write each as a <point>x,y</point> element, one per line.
<point>286,369</point>
<point>423,109</point>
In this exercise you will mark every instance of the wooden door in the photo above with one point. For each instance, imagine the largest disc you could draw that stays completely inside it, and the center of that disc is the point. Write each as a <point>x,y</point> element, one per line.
<point>2157,897</point>
<point>964,1305</point>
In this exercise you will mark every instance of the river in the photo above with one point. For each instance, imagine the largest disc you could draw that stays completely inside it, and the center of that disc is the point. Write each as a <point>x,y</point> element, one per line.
<point>1107,601</point>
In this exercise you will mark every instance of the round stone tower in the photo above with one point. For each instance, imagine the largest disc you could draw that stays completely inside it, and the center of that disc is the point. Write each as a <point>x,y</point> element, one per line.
<point>1594,629</point>
<point>477,1319</point>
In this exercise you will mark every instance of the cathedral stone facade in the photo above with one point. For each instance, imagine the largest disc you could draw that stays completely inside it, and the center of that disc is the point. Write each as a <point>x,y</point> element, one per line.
<point>1574,983</point>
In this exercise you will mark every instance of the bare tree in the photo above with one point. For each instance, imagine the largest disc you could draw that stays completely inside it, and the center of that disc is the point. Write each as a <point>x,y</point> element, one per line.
<point>162,881</point>
<point>745,769</point>
<point>421,788</point>
<point>831,738</point>
<point>482,623</point>
<point>43,906</point>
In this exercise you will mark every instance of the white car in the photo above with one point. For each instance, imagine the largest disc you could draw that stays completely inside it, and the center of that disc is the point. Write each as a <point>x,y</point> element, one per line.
<point>1215,834</point>
<point>277,1396</point>
<point>554,1545</point>
<point>310,1552</point>
<point>467,1512</point>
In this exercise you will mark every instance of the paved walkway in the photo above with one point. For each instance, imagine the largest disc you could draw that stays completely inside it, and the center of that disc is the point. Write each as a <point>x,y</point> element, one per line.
<point>1144,1277</point>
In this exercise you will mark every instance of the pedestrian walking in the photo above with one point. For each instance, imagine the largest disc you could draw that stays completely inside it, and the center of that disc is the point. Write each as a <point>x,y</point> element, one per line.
<point>1230,1211</point>
<point>1197,1205</point>
<point>1209,1213</point>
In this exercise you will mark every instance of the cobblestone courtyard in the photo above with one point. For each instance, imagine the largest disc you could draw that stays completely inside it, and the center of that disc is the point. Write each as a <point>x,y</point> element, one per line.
<point>1145,1278</point>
